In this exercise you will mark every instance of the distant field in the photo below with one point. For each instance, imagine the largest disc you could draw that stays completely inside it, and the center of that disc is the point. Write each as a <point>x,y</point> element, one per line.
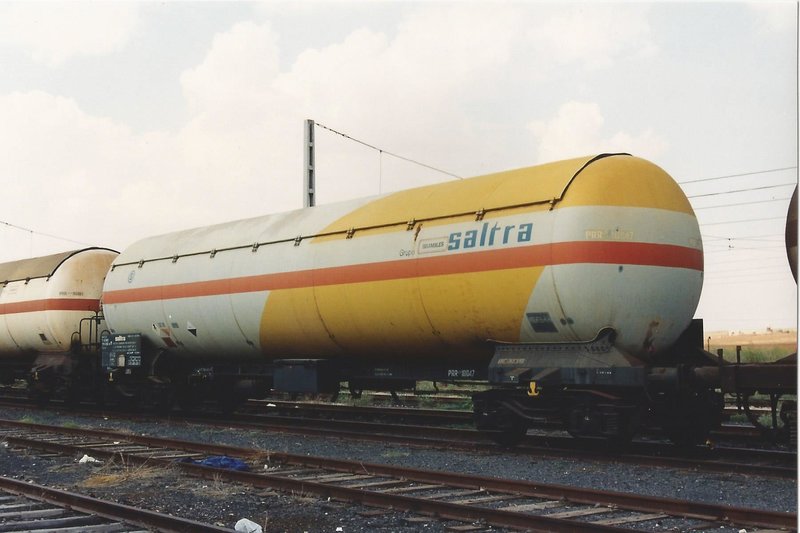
<point>762,346</point>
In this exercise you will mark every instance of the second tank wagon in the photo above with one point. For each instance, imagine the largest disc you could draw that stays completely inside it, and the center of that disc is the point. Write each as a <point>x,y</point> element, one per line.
<point>48,307</point>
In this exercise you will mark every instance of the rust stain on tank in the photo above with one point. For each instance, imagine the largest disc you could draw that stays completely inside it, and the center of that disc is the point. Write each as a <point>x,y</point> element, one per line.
<point>648,343</point>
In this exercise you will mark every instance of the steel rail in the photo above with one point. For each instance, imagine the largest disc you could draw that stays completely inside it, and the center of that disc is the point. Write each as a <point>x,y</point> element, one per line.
<point>640,503</point>
<point>371,498</point>
<point>114,511</point>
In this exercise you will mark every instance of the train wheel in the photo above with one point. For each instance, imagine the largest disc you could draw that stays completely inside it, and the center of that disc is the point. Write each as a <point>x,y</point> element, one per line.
<point>40,389</point>
<point>509,436</point>
<point>789,417</point>
<point>124,398</point>
<point>187,400</point>
<point>98,395</point>
<point>163,400</point>
<point>692,423</point>
<point>229,402</point>
<point>41,397</point>
<point>72,397</point>
<point>686,436</point>
<point>614,421</point>
<point>775,424</point>
<point>500,423</point>
<point>628,423</point>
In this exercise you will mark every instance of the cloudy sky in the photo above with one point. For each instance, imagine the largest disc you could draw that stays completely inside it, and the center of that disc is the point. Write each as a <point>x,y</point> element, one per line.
<point>122,120</point>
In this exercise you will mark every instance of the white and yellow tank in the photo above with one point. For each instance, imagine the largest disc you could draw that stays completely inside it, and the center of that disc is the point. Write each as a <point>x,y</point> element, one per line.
<point>550,253</point>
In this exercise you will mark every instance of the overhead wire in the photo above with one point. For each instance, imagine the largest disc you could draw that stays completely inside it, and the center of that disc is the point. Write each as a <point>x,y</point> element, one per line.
<point>770,237</point>
<point>761,257</point>
<point>738,175</point>
<point>381,151</point>
<point>742,190</point>
<point>777,273</point>
<point>741,221</point>
<point>734,243</point>
<point>751,275</point>
<point>728,243</point>
<point>40,233</point>
<point>767,264</point>
<point>779,253</point>
<point>753,279</point>
<point>740,204</point>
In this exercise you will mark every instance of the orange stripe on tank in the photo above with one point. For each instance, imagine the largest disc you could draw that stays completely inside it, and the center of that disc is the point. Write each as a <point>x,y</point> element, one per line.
<point>626,253</point>
<point>51,304</point>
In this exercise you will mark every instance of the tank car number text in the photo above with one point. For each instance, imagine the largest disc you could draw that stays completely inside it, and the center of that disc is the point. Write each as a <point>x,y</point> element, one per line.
<point>615,235</point>
<point>464,373</point>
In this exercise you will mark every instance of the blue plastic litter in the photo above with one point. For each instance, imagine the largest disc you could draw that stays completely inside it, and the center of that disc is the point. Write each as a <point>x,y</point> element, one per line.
<point>219,461</point>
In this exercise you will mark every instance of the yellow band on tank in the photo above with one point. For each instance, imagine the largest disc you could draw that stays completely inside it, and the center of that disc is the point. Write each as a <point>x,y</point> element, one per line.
<point>457,201</point>
<point>614,180</point>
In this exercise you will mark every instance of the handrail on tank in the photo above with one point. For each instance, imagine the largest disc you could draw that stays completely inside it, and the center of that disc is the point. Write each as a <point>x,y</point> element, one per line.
<point>93,343</point>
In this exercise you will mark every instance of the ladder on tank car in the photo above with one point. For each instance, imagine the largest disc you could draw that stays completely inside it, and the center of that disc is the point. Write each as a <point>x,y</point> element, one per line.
<point>89,329</point>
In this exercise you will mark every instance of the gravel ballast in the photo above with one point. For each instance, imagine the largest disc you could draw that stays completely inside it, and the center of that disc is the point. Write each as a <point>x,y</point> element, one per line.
<point>214,502</point>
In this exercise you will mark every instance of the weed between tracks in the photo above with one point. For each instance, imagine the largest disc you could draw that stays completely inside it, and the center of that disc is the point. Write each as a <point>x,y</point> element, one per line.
<point>218,488</point>
<point>395,454</point>
<point>263,457</point>
<point>112,474</point>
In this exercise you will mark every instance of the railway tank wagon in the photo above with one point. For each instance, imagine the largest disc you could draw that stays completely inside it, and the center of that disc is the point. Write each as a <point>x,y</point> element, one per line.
<point>49,308</point>
<point>791,234</point>
<point>588,270</point>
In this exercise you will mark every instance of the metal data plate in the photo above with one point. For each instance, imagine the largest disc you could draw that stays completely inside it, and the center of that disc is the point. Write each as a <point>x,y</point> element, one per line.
<point>121,350</point>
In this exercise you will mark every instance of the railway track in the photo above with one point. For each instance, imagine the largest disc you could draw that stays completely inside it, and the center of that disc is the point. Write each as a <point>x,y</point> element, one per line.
<point>417,415</point>
<point>28,507</point>
<point>467,498</point>
<point>722,459</point>
<point>759,462</point>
